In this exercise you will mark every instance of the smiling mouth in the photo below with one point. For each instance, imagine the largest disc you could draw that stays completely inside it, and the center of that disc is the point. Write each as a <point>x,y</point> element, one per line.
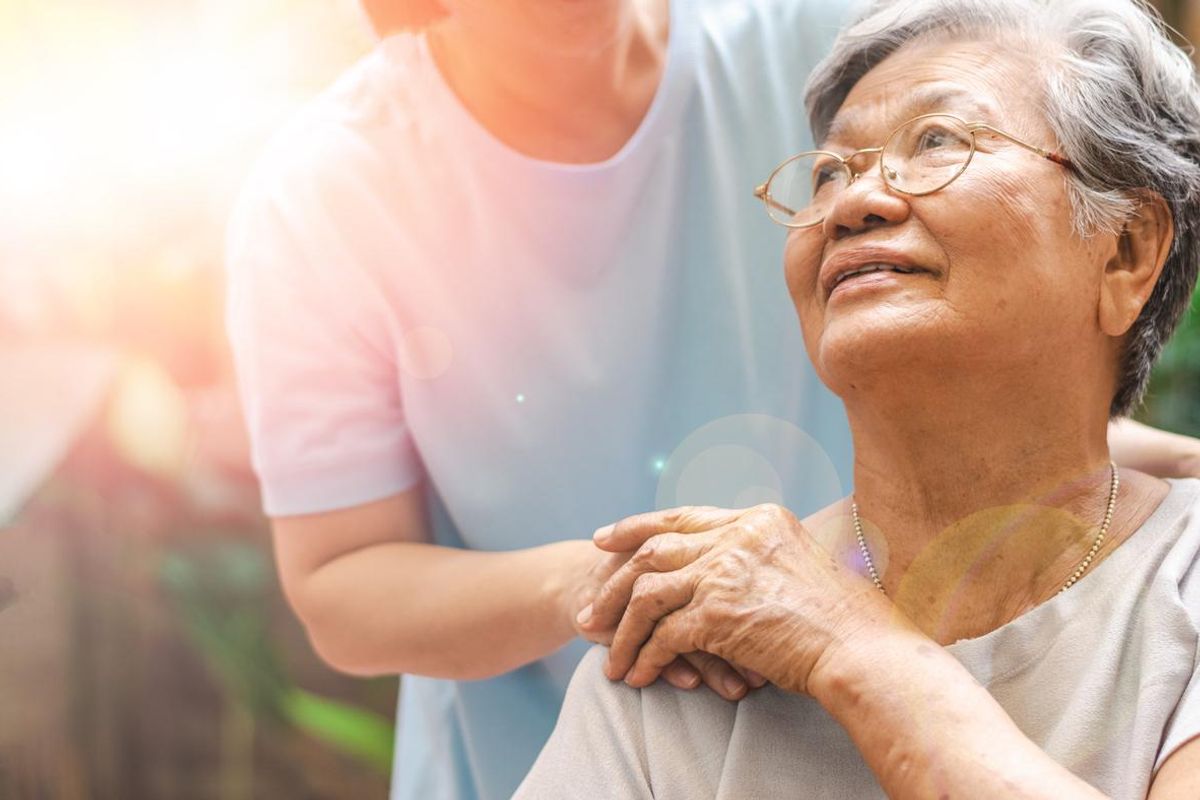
<point>867,269</point>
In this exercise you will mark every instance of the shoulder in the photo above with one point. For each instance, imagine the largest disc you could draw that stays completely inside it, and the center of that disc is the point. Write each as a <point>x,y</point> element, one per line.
<point>340,143</point>
<point>615,741</point>
<point>657,713</point>
<point>1181,511</point>
<point>593,695</point>
<point>598,744</point>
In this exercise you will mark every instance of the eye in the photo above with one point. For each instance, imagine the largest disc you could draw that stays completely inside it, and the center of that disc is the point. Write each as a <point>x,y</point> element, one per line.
<point>823,174</point>
<point>938,137</point>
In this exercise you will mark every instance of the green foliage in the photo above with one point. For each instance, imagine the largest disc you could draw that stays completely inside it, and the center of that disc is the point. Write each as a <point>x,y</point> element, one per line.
<point>1173,400</point>
<point>358,733</point>
<point>222,590</point>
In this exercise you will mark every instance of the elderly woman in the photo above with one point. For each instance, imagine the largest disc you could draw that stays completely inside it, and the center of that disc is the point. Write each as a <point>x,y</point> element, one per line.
<point>996,238</point>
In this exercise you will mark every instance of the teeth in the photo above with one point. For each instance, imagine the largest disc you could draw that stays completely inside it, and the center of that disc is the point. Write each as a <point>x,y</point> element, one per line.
<point>872,268</point>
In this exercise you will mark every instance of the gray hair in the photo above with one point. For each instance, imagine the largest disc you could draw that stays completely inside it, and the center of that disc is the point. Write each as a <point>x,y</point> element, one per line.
<point>1121,99</point>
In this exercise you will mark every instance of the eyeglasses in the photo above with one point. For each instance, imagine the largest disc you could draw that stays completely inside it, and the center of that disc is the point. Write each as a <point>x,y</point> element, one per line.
<point>920,157</point>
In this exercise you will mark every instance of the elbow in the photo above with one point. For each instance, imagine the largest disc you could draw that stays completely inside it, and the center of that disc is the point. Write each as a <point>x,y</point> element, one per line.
<point>367,646</point>
<point>341,658</point>
<point>335,641</point>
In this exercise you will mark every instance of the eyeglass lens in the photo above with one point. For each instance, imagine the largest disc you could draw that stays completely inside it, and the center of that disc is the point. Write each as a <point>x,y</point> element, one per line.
<point>921,156</point>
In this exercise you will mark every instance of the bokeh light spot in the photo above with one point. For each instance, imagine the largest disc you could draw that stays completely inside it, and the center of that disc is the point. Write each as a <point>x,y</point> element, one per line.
<point>148,419</point>
<point>747,459</point>
<point>757,495</point>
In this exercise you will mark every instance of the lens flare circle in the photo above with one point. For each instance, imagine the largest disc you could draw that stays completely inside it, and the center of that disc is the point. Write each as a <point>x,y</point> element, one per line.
<point>747,459</point>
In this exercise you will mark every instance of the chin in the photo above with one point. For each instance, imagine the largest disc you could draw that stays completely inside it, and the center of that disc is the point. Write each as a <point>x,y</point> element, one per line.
<point>861,350</point>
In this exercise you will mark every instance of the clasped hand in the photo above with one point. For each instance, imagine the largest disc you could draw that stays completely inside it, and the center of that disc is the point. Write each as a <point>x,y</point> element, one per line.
<point>750,586</point>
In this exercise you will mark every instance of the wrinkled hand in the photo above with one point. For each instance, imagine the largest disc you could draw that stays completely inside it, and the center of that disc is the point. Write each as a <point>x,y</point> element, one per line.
<point>749,586</point>
<point>689,670</point>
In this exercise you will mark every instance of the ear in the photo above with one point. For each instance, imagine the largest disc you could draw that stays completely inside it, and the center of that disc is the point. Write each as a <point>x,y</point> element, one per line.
<point>1133,270</point>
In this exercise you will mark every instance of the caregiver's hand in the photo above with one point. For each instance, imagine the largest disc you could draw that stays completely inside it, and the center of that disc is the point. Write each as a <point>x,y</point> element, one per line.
<point>750,586</point>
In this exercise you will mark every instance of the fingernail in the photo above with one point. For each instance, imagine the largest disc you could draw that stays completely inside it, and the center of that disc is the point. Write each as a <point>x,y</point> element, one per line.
<point>734,687</point>
<point>602,534</point>
<point>584,615</point>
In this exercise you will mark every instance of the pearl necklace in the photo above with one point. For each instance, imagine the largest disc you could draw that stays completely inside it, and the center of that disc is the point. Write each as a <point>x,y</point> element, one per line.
<point>1114,485</point>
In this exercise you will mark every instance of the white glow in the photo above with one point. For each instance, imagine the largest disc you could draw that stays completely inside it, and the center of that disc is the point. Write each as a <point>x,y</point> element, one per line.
<point>133,111</point>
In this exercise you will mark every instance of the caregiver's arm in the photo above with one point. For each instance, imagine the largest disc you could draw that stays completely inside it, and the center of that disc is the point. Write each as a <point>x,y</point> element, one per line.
<point>1155,452</point>
<point>375,598</point>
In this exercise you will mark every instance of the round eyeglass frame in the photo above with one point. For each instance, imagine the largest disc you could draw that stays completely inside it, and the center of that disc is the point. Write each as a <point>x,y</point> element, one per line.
<point>762,190</point>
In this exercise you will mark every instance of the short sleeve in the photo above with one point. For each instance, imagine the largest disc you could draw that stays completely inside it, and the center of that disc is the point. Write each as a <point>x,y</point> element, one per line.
<point>312,347</point>
<point>1184,724</point>
<point>1183,568</point>
<point>598,746</point>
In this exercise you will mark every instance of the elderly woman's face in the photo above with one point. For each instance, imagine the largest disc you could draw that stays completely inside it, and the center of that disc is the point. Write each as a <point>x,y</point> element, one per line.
<point>996,272</point>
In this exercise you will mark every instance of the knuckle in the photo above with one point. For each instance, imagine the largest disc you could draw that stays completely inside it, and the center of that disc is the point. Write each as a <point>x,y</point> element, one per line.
<point>770,510</point>
<point>674,517</point>
<point>646,554</point>
<point>643,587</point>
<point>709,616</point>
<point>671,541</point>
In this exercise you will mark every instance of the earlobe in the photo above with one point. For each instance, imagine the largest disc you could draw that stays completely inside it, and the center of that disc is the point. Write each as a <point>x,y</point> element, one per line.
<point>1132,272</point>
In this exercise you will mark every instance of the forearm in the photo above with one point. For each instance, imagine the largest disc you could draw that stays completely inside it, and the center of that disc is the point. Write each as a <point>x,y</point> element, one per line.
<point>1153,451</point>
<point>421,609</point>
<point>927,729</point>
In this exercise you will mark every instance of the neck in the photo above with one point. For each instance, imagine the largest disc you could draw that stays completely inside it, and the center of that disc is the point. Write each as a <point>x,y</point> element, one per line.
<point>949,488</point>
<point>577,99</point>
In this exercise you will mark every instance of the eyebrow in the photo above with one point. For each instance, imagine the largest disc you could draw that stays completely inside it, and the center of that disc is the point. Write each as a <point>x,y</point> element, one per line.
<point>921,101</point>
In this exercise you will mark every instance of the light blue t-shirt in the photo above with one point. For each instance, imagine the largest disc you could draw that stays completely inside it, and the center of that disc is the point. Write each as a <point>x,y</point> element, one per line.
<point>554,346</point>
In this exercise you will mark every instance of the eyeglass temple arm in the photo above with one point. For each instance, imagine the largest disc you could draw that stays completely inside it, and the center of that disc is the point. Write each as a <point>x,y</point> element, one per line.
<point>1057,158</point>
<point>760,192</point>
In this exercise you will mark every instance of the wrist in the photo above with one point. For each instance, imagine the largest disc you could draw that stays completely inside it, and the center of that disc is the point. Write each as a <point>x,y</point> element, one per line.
<point>850,668</point>
<point>568,564</point>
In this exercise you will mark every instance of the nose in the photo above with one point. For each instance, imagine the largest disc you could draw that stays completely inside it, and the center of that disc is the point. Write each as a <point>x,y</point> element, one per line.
<point>866,203</point>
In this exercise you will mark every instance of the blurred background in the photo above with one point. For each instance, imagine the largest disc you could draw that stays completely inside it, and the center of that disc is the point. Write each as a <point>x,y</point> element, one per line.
<point>145,648</point>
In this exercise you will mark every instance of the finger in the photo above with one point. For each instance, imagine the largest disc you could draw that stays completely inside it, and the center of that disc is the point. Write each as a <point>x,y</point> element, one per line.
<point>752,678</point>
<point>673,636</point>
<point>666,552</point>
<point>755,680</point>
<point>631,532</point>
<point>655,595</point>
<point>681,675</point>
<point>718,674</point>
<point>598,637</point>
